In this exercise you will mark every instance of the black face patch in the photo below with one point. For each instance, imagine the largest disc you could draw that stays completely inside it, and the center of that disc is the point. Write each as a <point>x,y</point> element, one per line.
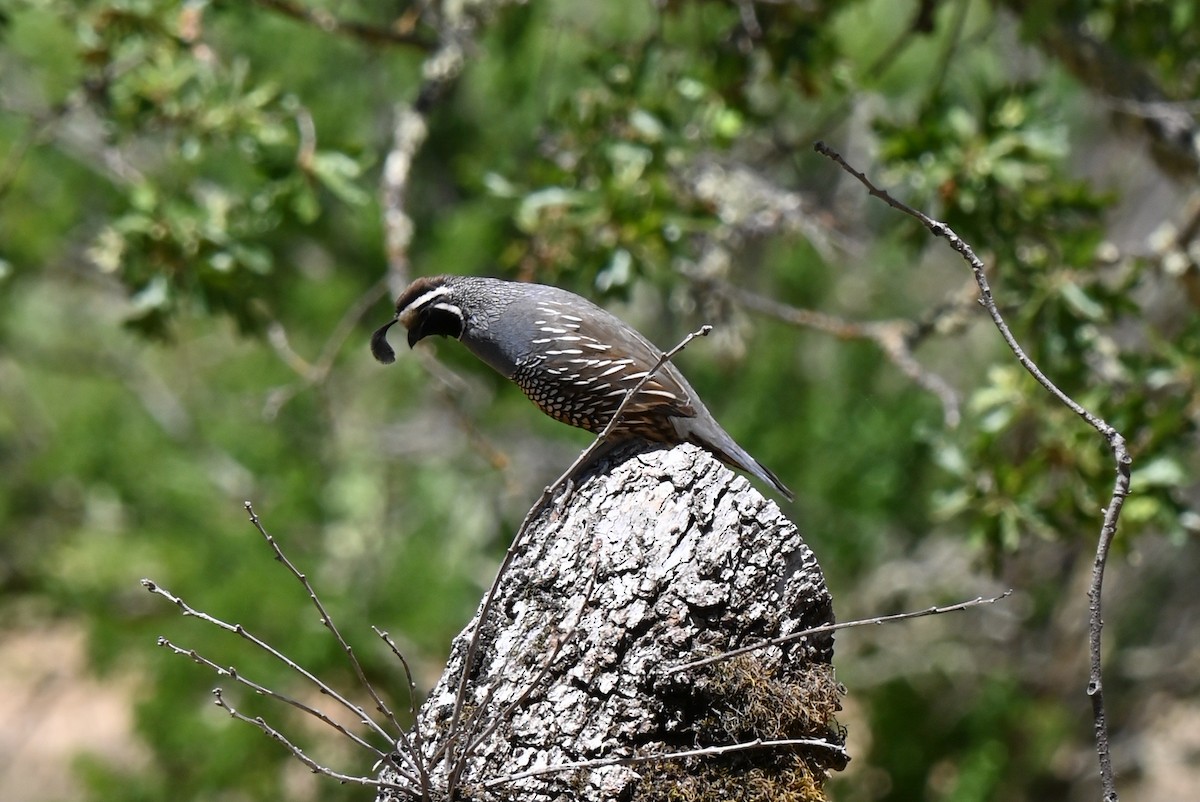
<point>443,321</point>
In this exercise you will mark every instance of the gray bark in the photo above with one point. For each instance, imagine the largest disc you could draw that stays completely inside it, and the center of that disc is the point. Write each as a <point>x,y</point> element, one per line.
<point>657,558</point>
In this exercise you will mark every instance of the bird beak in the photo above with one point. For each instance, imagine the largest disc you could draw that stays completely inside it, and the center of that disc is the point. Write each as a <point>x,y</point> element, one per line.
<point>379,344</point>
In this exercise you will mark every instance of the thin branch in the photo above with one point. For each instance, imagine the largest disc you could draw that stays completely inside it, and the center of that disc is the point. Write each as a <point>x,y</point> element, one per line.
<point>412,696</point>
<point>408,135</point>
<point>751,205</point>
<point>708,751</point>
<point>894,337</point>
<point>439,71</point>
<point>263,690</point>
<point>327,22</point>
<point>821,630</point>
<point>940,229</point>
<point>315,373</point>
<point>749,19</point>
<point>449,387</point>
<point>11,166</point>
<point>518,540</point>
<point>595,445</point>
<point>297,752</point>
<point>306,131</point>
<point>241,631</point>
<point>326,619</point>
<point>328,623</point>
<point>1170,129</point>
<point>922,24</point>
<point>39,127</point>
<point>1115,440</point>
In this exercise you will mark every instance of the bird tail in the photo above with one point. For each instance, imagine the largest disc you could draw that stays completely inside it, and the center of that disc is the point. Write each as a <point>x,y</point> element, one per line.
<point>755,468</point>
<point>718,441</point>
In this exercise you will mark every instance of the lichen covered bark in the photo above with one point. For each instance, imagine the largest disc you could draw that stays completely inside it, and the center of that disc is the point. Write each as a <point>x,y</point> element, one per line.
<point>656,558</point>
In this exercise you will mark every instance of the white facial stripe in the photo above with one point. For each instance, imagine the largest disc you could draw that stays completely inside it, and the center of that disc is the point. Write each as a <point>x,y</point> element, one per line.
<point>449,308</point>
<point>420,301</point>
<point>408,315</point>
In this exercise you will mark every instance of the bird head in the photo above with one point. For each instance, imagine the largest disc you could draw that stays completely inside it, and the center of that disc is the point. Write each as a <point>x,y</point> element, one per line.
<point>426,308</point>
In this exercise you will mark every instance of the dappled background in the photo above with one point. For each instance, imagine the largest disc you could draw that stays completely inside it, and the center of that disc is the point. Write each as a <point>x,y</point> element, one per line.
<point>198,234</point>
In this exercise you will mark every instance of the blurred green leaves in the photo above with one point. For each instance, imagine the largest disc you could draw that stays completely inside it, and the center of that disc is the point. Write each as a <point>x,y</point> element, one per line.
<point>208,162</point>
<point>994,167</point>
<point>995,162</point>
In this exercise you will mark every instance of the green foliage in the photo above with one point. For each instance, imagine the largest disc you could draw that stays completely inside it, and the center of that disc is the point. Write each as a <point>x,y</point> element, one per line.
<point>188,213</point>
<point>968,753</point>
<point>997,173</point>
<point>993,162</point>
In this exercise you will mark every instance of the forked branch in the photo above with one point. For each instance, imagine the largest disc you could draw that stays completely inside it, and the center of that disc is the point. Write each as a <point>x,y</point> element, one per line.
<point>1115,440</point>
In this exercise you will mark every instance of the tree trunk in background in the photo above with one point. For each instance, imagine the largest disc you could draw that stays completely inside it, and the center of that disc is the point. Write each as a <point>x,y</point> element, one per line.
<point>658,557</point>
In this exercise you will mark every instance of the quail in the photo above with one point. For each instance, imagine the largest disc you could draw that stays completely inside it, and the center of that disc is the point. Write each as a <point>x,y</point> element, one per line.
<point>574,360</point>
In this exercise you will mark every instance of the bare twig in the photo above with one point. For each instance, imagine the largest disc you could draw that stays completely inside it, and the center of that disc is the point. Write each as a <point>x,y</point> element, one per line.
<point>412,691</point>
<point>1115,440</point>
<point>326,619</point>
<point>39,127</point>
<point>1170,129</point>
<point>821,630</point>
<point>317,768</point>
<point>449,387</point>
<point>263,690</point>
<point>750,24</point>
<point>408,134</point>
<point>518,540</point>
<point>413,756</point>
<point>306,130</point>
<point>708,751</point>
<point>950,46</point>
<point>19,149</point>
<point>325,21</point>
<point>922,24</point>
<point>595,445</point>
<point>894,337</point>
<point>315,373</point>
<point>242,632</point>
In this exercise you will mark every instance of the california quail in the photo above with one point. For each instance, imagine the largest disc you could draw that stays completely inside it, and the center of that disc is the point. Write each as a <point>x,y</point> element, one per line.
<point>572,358</point>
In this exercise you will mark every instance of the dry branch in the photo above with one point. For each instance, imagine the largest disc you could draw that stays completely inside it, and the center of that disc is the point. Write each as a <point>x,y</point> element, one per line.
<point>1116,444</point>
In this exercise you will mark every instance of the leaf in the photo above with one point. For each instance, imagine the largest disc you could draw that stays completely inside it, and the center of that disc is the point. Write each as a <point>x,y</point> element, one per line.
<point>1081,302</point>
<point>531,208</point>
<point>1161,472</point>
<point>337,172</point>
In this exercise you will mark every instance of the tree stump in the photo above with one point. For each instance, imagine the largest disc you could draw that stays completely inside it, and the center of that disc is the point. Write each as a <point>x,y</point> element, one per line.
<point>658,557</point>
